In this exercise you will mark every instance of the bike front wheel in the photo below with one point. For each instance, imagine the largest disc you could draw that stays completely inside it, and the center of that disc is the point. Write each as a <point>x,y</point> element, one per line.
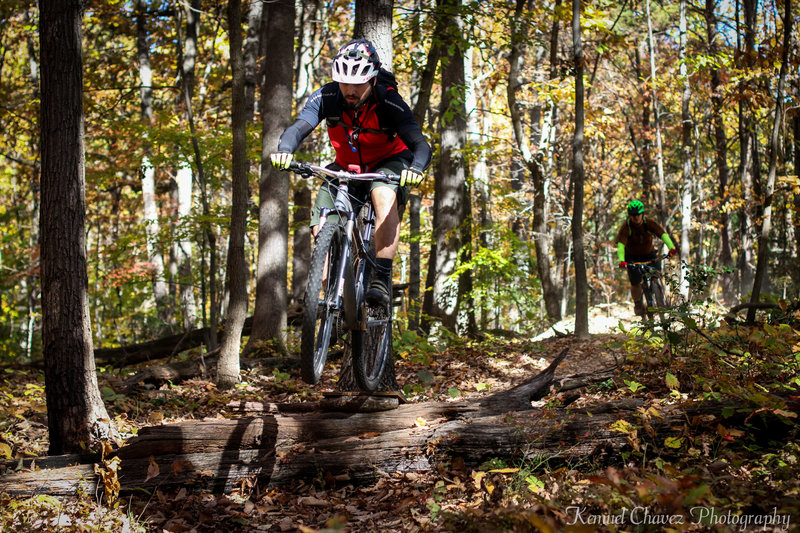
<point>372,348</point>
<point>659,299</point>
<point>321,308</point>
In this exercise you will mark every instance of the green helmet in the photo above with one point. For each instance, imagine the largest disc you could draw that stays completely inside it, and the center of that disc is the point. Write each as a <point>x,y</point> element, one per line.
<point>635,208</point>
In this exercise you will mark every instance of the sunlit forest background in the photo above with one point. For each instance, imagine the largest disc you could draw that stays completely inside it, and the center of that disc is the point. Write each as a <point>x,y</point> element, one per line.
<point>679,112</point>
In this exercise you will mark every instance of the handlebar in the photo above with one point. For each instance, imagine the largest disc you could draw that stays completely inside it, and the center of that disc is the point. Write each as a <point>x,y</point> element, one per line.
<point>307,170</point>
<point>632,264</point>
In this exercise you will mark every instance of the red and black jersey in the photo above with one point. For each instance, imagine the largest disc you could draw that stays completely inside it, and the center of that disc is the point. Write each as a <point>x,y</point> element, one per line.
<point>382,128</point>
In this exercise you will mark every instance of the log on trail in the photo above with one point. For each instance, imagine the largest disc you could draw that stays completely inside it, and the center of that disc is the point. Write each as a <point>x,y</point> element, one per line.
<point>171,345</point>
<point>281,443</point>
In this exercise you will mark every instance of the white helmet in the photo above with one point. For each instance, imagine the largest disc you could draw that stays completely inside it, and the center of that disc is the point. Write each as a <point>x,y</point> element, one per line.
<point>357,62</point>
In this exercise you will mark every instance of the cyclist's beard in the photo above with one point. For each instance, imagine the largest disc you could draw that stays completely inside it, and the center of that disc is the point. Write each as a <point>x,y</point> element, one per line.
<point>354,104</point>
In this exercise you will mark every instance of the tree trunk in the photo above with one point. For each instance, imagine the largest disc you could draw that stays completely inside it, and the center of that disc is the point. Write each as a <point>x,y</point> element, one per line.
<point>721,158</point>
<point>184,250</point>
<point>661,203</point>
<point>686,157</point>
<point>748,156</point>
<point>301,243</point>
<point>774,146</point>
<point>581,282</point>
<point>228,366</point>
<point>450,175</point>
<point>374,21</point>
<point>796,213</point>
<point>150,207</point>
<point>416,312</point>
<point>269,318</point>
<point>77,418</point>
<point>310,41</point>
<point>251,57</point>
<point>286,443</point>
<point>541,231</point>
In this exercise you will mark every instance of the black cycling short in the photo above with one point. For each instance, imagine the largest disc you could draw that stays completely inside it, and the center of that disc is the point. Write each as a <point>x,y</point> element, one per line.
<point>634,274</point>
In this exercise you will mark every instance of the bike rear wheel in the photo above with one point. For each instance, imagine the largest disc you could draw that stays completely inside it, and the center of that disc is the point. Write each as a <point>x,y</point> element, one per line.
<point>321,308</point>
<point>372,348</point>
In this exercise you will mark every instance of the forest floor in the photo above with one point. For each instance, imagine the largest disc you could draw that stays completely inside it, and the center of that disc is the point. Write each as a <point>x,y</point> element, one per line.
<point>706,478</point>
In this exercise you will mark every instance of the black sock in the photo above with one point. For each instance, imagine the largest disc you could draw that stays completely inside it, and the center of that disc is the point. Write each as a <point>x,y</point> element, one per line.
<point>383,268</point>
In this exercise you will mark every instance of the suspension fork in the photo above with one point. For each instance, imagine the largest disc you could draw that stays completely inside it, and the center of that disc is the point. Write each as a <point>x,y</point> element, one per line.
<point>347,288</point>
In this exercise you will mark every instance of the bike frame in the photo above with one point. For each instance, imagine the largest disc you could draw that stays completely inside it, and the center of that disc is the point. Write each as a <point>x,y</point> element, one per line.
<point>648,273</point>
<point>350,286</point>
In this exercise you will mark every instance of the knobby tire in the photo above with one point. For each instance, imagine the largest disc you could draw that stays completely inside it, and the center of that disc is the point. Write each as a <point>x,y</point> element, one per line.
<point>372,348</point>
<point>320,313</point>
<point>659,301</point>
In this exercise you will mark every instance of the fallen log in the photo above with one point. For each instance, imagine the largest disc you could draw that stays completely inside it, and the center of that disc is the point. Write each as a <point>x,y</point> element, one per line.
<point>280,443</point>
<point>171,345</point>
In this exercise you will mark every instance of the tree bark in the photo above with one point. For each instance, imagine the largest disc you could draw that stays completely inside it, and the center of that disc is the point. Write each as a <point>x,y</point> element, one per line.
<point>581,282</point>
<point>373,21</point>
<point>796,213</point>
<point>747,166</point>
<point>149,204</point>
<point>301,240</point>
<point>251,58</point>
<point>535,165</point>
<point>284,443</point>
<point>721,159</point>
<point>269,319</point>
<point>228,365</point>
<point>77,418</point>
<point>660,198</point>
<point>417,322</point>
<point>450,176</point>
<point>774,146</point>
<point>686,157</point>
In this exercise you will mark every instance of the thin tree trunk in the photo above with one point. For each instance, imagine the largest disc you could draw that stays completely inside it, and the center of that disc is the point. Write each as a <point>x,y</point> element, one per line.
<point>310,23</point>
<point>269,318</point>
<point>648,185</point>
<point>417,321</point>
<point>541,232</point>
<point>796,213</point>
<point>748,155</point>
<point>581,282</point>
<point>228,364</point>
<point>660,198</point>
<point>251,57</point>
<point>184,251</point>
<point>76,416</point>
<point>774,146</point>
<point>721,158</point>
<point>32,280</point>
<point>150,208</point>
<point>301,244</point>
<point>686,156</point>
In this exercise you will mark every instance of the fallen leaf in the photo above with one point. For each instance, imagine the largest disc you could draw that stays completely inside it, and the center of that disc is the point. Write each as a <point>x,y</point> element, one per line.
<point>152,470</point>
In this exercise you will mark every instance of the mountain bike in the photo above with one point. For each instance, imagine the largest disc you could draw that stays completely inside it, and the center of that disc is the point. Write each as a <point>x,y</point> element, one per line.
<point>334,304</point>
<point>652,286</point>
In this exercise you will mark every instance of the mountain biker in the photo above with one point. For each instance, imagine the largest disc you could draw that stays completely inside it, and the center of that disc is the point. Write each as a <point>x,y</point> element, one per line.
<point>635,245</point>
<point>371,129</point>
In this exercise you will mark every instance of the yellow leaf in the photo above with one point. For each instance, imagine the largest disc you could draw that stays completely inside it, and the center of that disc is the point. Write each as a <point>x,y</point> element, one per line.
<point>5,450</point>
<point>420,422</point>
<point>673,442</point>
<point>672,381</point>
<point>623,426</point>
<point>504,470</point>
